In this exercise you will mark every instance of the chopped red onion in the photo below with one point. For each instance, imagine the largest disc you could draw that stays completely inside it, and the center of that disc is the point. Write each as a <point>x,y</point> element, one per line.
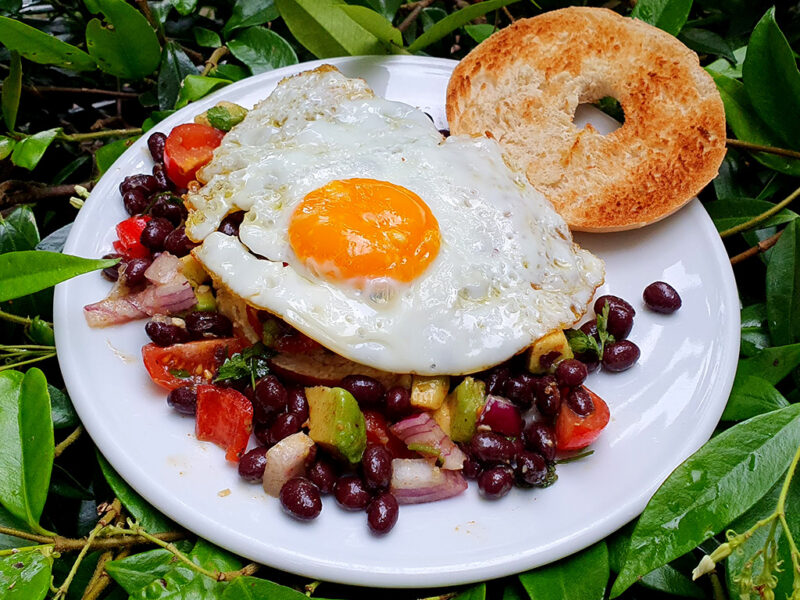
<point>164,269</point>
<point>501,416</point>
<point>163,299</point>
<point>422,431</point>
<point>417,480</point>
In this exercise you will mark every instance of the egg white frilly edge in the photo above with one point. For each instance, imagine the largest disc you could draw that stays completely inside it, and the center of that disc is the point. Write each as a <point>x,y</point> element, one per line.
<point>507,272</point>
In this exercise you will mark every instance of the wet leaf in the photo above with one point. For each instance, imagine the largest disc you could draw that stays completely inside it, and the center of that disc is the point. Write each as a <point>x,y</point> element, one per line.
<point>669,15</point>
<point>12,88</point>
<point>18,231</point>
<point>29,151</point>
<point>752,396</point>
<point>39,47</point>
<point>735,211</point>
<point>262,50</point>
<point>755,334</point>
<point>25,576</point>
<point>26,441</point>
<point>175,66</point>
<point>582,575</point>
<point>247,13</point>
<point>710,489</point>
<point>783,287</point>
<point>376,24</point>
<point>253,588</point>
<point>23,273</point>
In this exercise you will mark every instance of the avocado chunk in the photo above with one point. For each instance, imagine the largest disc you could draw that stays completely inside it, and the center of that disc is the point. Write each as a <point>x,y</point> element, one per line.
<point>547,352</point>
<point>205,298</point>
<point>336,423</point>
<point>429,393</point>
<point>466,402</point>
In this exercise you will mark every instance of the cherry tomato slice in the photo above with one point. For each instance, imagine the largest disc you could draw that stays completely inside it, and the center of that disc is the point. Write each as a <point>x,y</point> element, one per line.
<point>189,147</point>
<point>378,432</point>
<point>225,417</point>
<point>574,432</point>
<point>129,232</point>
<point>192,363</point>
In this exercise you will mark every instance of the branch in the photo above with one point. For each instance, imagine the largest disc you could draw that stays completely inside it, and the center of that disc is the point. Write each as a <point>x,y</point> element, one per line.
<point>65,443</point>
<point>414,14</point>
<point>759,148</point>
<point>38,89</point>
<point>762,246</point>
<point>762,217</point>
<point>15,191</point>
<point>214,59</point>
<point>96,135</point>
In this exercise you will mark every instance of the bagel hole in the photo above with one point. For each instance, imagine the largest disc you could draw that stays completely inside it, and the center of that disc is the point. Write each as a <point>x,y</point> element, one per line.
<point>586,113</point>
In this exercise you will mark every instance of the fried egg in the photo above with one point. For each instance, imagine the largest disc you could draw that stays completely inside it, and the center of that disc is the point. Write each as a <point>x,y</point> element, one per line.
<point>369,232</point>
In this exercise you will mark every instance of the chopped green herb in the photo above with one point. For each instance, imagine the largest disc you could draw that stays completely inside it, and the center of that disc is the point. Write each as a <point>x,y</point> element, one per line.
<point>250,362</point>
<point>180,373</point>
<point>569,459</point>
<point>602,328</point>
<point>581,343</point>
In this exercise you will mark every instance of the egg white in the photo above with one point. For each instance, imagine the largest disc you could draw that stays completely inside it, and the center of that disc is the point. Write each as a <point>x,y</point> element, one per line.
<point>507,271</point>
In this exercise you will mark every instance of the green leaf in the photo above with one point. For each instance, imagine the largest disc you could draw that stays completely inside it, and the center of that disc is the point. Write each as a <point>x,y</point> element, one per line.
<point>184,7</point>
<point>158,115</point>
<point>26,435</point>
<point>669,15</point>
<point>175,66</point>
<point>704,41</point>
<point>752,396</point>
<point>710,489</point>
<point>325,30</point>
<point>455,20</point>
<point>148,517</point>
<point>12,88</point>
<point>253,588</point>
<point>430,16</point>
<point>25,576</point>
<point>747,125</point>
<point>207,38</point>
<point>29,151</point>
<point>22,273</point>
<point>6,146</point>
<point>583,575</point>
<point>387,8</point>
<point>783,287</point>
<point>112,48</point>
<point>771,364</point>
<point>230,72</point>
<point>107,154</point>
<point>135,572</point>
<point>375,23</point>
<point>772,81</point>
<point>247,13</point>
<point>262,50</point>
<point>61,410</point>
<point>40,332</point>
<point>724,67</point>
<point>43,48</point>
<point>18,230</point>
<point>195,87</point>
<point>69,169</point>
<point>56,240</point>
<point>755,335</point>
<point>476,592</point>
<point>9,520</point>
<point>735,211</point>
<point>479,32</point>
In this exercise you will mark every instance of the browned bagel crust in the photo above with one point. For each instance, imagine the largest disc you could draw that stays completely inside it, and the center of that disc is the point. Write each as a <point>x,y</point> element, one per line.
<point>523,84</point>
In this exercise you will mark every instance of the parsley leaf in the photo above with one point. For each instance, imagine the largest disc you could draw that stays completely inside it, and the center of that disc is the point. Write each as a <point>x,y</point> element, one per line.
<point>250,362</point>
<point>180,373</point>
<point>581,343</point>
<point>602,329</point>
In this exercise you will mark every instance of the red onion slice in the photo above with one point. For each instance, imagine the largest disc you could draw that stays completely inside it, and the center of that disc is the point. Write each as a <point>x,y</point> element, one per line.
<point>421,431</point>
<point>501,416</point>
<point>417,480</point>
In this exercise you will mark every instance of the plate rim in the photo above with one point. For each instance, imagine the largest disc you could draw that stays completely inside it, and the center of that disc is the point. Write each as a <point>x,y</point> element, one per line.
<point>336,572</point>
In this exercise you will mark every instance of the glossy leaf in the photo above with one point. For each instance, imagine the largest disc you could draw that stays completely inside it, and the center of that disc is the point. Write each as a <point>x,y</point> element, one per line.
<point>747,125</point>
<point>139,570</point>
<point>18,231</point>
<point>106,155</point>
<point>771,364</point>
<point>455,20</point>
<point>772,80</point>
<point>704,41</point>
<point>9,520</point>
<point>112,48</point>
<point>724,67</point>
<point>262,50</point>
<point>735,211</point>
<point>430,16</point>
<point>184,7</point>
<point>61,410</point>
<point>12,88</point>
<point>376,24</point>
<point>26,440</point>
<point>159,115</point>
<point>6,146</point>
<point>25,576</point>
<point>710,489</point>
<point>669,15</point>
<point>752,396</point>
<point>148,517</point>
<point>42,48</point>
<point>253,588</point>
<point>476,592</point>
<point>582,575</point>
<point>22,273</point>
<point>755,334</point>
<point>514,591</point>
<point>206,38</point>
<point>230,72</point>
<point>29,151</point>
<point>195,87</point>
<point>386,8</point>
<point>783,287</point>
<point>40,332</point>
<point>56,240</point>
<point>175,66</point>
<point>479,32</point>
<point>247,13</point>
<point>323,28</point>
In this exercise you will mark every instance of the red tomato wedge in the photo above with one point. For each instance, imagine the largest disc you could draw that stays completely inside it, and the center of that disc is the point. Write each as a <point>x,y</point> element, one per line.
<point>192,363</point>
<point>129,232</point>
<point>574,432</point>
<point>189,147</point>
<point>378,432</point>
<point>225,417</point>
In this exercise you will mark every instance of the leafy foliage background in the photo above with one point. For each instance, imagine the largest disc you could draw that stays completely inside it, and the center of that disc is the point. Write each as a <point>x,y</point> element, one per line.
<point>82,79</point>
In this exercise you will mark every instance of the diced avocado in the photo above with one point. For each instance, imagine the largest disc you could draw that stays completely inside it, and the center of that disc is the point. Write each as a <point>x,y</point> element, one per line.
<point>553,348</point>
<point>224,115</point>
<point>191,268</point>
<point>205,298</point>
<point>429,393</point>
<point>467,400</point>
<point>336,423</point>
<point>270,330</point>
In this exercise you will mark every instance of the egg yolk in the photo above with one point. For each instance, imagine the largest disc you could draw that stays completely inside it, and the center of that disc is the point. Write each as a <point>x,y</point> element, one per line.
<point>364,229</point>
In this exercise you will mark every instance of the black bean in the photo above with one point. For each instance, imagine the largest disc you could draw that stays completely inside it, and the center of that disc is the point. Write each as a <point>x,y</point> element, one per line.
<point>155,233</point>
<point>612,301</point>
<point>323,474</point>
<point>230,224</point>
<point>382,513</point>
<point>164,333</point>
<point>662,297</point>
<point>269,399</point>
<point>147,183</point>
<point>580,402</point>
<point>620,321</point>
<point>590,329</point>
<point>496,482</point>
<point>496,380</point>
<point>112,273</point>
<point>183,400</point>
<point>548,395</point>
<point>471,468</point>
<point>520,389</point>
<point>297,403</point>
<point>132,272</point>
<point>170,207</point>
<point>351,493</point>
<point>571,372</point>
<point>300,498</point>
<point>367,391</point>
<point>178,243</point>
<point>203,324</point>
<point>376,464</point>
<point>251,465</point>
<point>491,447</point>
<point>160,174</point>
<point>531,469</point>
<point>284,425</point>
<point>155,143</point>
<point>540,438</point>
<point>620,356</point>
<point>135,201</point>
<point>397,403</point>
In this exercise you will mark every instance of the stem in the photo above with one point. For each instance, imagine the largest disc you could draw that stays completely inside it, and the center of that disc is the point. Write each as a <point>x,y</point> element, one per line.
<point>39,548</point>
<point>15,318</point>
<point>30,347</point>
<point>96,135</point>
<point>716,586</point>
<point>248,569</point>
<point>145,8</point>
<point>414,14</point>
<point>762,217</point>
<point>27,362</point>
<point>65,443</point>
<point>312,587</point>
<point>759,148</point>
<point>24,535</point>
<point>99,579</point>
<point>762,246</point>
<point>37,89</point>
<point>214,59</point>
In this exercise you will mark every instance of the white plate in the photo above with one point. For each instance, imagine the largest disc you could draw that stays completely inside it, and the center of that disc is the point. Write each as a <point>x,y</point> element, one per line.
<point>662,410</point>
